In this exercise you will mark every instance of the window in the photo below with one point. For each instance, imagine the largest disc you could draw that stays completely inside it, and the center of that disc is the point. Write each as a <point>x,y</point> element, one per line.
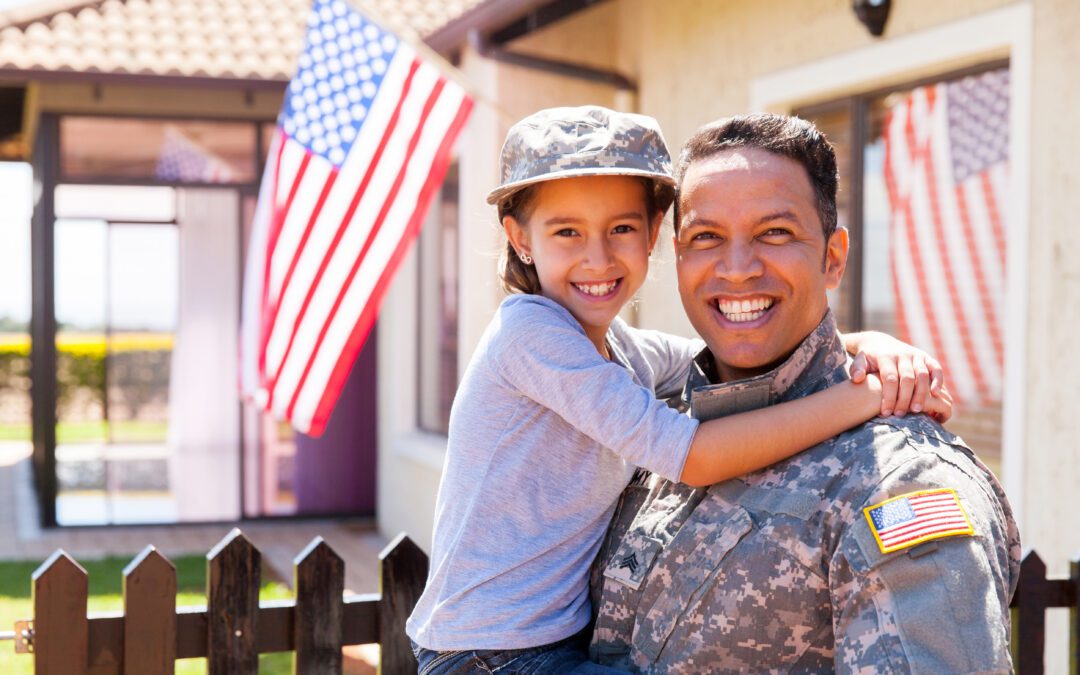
<point>16,194</point>
<point>923,188</point>
<point>438,309</point>
<point>171,151</point>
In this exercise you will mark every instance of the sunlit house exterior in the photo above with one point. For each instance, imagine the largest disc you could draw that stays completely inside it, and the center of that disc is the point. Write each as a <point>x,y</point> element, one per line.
<point>991,282</point>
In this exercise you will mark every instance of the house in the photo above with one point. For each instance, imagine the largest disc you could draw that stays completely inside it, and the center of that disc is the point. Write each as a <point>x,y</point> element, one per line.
<point>145,124</point>
<point>999,318</point>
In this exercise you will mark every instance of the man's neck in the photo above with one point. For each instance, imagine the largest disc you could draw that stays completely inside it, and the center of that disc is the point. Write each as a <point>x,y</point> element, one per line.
<point>817,362</point>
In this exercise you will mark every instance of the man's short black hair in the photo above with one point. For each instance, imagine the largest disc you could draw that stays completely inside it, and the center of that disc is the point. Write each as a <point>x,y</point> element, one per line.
<point>791,137</point>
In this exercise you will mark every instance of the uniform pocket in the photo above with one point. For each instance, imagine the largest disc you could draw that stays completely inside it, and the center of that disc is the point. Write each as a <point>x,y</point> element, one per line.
<point>706,542</point>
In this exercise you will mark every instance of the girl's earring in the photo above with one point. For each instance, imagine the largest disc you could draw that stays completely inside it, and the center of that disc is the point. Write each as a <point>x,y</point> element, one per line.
<point>525,258</point>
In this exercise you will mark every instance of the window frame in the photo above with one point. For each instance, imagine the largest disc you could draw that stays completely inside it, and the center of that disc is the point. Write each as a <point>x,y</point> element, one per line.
<point>858,109</point>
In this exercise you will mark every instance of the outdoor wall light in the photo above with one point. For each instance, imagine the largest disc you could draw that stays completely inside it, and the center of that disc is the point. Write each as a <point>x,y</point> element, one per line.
<point>873,14</point>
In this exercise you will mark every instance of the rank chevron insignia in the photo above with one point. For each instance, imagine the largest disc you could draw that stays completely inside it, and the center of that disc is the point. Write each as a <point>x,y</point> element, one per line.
<point>629,562</point>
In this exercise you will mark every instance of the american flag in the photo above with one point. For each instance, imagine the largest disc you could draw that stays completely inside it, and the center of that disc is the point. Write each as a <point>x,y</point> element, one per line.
<point>946,171</point>
<point>916,517</point>
<point>182,159</point>
<point>362,144</point>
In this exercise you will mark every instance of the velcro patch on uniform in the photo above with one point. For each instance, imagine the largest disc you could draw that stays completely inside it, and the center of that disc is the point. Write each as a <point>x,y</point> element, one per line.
<point>632,561</point>
<point>907,520</point>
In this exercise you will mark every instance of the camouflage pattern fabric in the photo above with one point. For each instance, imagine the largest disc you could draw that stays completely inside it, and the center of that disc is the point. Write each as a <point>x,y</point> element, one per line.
<point>780,571</point>
<point>582,141</point>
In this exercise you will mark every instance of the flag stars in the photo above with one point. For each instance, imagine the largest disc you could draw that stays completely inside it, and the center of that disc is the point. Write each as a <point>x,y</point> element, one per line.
<point>339,74</point>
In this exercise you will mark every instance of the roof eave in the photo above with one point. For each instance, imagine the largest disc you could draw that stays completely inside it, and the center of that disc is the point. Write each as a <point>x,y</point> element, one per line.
<point>202,81</point>
<point>484,17</point>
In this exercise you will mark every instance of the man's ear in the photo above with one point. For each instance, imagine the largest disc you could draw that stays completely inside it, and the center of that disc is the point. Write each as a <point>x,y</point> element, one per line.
<point>515,232</point>
<point>836,251</point>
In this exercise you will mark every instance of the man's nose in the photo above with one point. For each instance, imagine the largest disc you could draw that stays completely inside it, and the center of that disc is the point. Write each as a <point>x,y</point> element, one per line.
<point>739,263</point>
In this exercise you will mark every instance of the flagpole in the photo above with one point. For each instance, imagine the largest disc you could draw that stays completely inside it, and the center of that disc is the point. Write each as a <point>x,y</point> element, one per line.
<point>435,58</point>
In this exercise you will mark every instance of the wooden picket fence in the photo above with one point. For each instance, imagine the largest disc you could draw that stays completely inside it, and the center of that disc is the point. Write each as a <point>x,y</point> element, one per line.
<point>234,628</point>
<point>1034,595</point>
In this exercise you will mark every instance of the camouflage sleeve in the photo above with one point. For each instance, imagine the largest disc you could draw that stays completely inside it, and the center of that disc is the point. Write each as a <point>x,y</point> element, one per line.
<point>906,603</point>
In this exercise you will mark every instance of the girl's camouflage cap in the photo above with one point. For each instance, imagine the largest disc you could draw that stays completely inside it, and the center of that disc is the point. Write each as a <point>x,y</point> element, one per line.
<point>584,141</point>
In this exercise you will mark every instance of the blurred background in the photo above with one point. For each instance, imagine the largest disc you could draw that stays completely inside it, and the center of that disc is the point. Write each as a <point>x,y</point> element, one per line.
<point>133,134</point>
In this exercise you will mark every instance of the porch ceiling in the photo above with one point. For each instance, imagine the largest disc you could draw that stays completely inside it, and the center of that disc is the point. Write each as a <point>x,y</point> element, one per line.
<point>198,39</point>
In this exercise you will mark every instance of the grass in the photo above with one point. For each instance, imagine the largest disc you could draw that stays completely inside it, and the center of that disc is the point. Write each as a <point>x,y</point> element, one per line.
<point>84,432</point>
<point>106,595</point>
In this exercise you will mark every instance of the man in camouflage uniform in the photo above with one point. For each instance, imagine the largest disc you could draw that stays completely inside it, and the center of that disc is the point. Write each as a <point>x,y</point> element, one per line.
<point>889,548</point>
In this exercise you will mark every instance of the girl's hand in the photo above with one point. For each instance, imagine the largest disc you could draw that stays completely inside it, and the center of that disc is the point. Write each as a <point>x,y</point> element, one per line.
<point>911,379</point>
<point>938,407</point>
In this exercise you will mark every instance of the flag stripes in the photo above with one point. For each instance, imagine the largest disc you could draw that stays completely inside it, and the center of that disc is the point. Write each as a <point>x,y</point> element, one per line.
<point>364,141</point>
<point>945,174</point>
<point>917,517</point>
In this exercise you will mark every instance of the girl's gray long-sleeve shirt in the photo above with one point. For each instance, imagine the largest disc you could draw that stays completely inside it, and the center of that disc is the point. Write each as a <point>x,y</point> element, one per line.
<point>544,435</point>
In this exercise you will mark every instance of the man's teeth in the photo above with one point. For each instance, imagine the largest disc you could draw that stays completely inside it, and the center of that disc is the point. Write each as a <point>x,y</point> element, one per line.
<point>738,311</point>
<point>598,290</point>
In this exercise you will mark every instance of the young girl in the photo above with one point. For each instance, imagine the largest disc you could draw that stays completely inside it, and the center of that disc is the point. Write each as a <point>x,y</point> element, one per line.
<point>559,406</point>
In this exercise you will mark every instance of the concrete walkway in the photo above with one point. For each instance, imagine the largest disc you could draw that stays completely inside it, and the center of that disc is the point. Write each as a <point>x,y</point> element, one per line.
<point>279,541</point>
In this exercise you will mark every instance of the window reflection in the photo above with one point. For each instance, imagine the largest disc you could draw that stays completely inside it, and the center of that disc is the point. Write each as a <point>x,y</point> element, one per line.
<point>172,151</point>
<point>930,233</point>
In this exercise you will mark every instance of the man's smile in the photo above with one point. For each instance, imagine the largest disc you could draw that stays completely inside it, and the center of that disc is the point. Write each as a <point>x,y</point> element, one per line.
<point>744,310</point>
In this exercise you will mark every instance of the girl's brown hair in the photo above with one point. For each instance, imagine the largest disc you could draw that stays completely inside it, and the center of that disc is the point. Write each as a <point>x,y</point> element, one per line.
<point>516,276</point>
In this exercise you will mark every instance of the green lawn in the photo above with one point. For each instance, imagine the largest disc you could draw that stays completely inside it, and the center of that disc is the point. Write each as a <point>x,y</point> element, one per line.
<point>106,595</point>
<point>83,432</point>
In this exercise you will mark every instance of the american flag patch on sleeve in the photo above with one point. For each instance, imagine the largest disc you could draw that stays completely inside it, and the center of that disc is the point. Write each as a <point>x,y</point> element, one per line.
<point>907,520</point>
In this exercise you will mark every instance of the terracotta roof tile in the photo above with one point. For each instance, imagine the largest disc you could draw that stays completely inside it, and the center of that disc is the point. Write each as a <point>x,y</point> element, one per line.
<point>249,39</point>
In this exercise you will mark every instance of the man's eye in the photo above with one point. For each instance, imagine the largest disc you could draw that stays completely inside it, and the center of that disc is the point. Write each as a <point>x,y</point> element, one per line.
<point>623,229</point>
<point>703,236</point>
<point>775,233</point>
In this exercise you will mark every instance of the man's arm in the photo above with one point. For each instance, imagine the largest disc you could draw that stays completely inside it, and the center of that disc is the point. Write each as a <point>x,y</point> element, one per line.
<point>905,603</point>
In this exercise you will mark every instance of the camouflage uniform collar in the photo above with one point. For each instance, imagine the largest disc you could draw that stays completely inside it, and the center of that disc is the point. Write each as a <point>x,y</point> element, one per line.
<point>818,362</point>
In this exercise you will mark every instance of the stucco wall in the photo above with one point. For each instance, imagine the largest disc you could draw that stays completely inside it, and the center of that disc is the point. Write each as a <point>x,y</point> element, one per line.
<point>1052,466</point>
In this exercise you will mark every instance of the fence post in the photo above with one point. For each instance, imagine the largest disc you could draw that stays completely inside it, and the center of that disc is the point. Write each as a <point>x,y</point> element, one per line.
<point>61,635</point>
<point>233,575</point>
<point>319,575</point>
<point>403,569</point>
<point>149,614</point>
<point>1031,607</point>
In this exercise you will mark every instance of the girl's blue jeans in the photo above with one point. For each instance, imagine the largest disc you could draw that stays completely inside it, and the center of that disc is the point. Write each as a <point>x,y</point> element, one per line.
<point>565,656</point>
